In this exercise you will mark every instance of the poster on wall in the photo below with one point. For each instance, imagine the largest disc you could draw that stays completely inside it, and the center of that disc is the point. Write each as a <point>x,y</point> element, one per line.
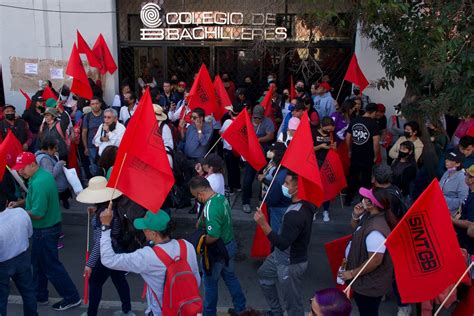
<point>56,73</point>
<point>31,68</point>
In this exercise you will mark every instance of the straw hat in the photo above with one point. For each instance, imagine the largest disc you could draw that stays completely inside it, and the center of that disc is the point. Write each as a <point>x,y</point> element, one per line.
<point>97,192</point>
<point>159,114</point>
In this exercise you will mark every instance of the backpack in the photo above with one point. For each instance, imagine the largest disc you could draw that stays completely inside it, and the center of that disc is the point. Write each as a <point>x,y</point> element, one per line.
<point>130,238</point>
<point>181,293</point>
<point>403,207</point>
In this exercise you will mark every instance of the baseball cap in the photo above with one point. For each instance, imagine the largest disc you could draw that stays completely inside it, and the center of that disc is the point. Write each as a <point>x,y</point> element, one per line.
<point>52,111</point>
<point>182,84</point>
<point>50,103</point>
<point>258,111</point>
<point>370,195</point>
<point>325,85</point>
<point>156,222</point>
<point>455,156</point>
<point>470,171</point>
<point>24,159</point>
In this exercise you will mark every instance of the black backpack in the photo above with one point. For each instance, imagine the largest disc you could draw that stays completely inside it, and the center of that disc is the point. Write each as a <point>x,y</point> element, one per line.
<point>130,239</point>
<point>403,209</point>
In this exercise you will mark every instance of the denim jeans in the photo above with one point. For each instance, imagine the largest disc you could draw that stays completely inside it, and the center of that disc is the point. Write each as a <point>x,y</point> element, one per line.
<point>19,270</point>
<point>276,217</point>
<point>93,156</point>
<point>99,275</point>
<point>228,275</point>
<point>46,265</point>
<point>290,278</point>
<point>249,177</point>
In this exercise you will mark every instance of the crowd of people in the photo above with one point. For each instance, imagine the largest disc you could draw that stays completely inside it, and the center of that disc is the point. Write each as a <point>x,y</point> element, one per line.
<point>386,161</point>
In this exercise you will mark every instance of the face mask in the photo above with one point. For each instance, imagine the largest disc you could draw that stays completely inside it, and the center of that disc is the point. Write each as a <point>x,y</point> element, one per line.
<point>225,79</point>
<point>364,204</point>
<point>401,154</point>
<point>299,89</point>
<point>356,92</point>
<point>10,117</point>
<point>453,169</point>
<point>407,134</point>
<point>42,109</point>
<point>269,80</point>
<point>248,83</point>
<point>286,191</point>
<point>174,81</point>
<point>270,154</point>
<point>431,131</point>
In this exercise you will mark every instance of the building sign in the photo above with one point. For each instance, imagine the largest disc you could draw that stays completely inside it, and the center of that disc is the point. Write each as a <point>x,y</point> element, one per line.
<point>208,25</point>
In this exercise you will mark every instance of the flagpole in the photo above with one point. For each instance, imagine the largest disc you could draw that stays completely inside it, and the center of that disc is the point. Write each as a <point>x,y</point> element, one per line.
<point>215,144</point>
<point>86,277</point>
<point>17,179</point>
<point>271,183</point>
<point>118,177</point>
<point>346,291</point>
<point>453,289</point>
<point>340,88</point>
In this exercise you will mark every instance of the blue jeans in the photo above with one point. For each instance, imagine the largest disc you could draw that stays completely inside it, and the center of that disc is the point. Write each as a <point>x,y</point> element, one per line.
<point>46,265</point>
<point>93,153</point>
<point>249,176</point>
<point>276,217</point>
<point>228,275</point>
<point>19,270</point>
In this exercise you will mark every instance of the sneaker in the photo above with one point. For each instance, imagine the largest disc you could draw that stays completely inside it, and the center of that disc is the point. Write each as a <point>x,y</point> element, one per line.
<point>246,208</point>
<point>60,245</point>
<point>326,216</point>
<point>404,310</point>
<point>121,313</point>
<point>42,303</point>
<point>62,305</point>
<point>232,312</point>
<point>61,235</point>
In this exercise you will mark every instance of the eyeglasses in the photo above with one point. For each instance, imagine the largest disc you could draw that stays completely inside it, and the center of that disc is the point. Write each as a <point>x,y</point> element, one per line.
<point>194,117</point>
<point>108,117</point>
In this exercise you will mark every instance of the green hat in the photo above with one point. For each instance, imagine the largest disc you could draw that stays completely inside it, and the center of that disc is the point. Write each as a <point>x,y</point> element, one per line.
<point>157,222</point>
<point>51,103</point>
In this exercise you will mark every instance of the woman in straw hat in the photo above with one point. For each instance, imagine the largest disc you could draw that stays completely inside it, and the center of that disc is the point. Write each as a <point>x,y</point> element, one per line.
<point>99,195</point>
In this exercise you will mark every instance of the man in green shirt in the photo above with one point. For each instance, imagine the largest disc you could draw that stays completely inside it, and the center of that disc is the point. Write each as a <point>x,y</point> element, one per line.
<point>216,218</point>
<point>42,204</point>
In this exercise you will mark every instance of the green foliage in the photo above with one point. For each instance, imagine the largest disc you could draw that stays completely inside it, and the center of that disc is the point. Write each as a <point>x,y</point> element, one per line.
<point>430,46</point>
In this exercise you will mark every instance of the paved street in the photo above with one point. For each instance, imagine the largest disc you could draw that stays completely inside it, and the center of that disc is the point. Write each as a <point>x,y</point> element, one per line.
<point>318,276</point>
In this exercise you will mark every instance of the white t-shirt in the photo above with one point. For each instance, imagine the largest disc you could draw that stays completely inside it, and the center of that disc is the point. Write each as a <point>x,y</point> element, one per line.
<point>222,130</point>
<point>372,242</point>
<point>216,180</point>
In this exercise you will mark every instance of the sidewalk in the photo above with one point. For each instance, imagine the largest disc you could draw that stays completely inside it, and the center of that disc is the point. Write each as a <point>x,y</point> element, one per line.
<point>318,276</point>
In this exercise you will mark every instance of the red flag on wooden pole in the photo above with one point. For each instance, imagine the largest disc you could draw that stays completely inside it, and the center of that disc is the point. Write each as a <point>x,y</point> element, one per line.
<point>104,56</point>
<point>10,148</point>
<point>222,98</point>
<point>80,84</point>
<point>335,251</point>
<point>48,94</point>
<point>424,248</point>
<point>261,246</point>
<point>83,48</point>
<point>355,75</point>
<point>267,101</point>
<point>28,99</point>
<point>300,158</point>
<point>202,93</point>
<point>243,139</point>
<point>292,89</point>
<point>142,170</point>
<point>332,175</point>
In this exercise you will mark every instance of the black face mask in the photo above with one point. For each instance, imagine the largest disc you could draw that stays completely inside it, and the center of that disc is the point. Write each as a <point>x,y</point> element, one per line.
<point>285,96</point>
<point>248,83</point>
<point>10,117</point>
<point>356,92</point>
<point>174,81</point>
<point>402,154</point>
<point>407,134</point>
<point>431,131</point>
<point>41,108</point>
<point>112,126</point>
<point>225,79</point>
<point>299,89</point>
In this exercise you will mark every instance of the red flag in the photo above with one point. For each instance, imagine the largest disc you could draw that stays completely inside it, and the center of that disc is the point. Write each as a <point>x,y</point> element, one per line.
<point>48,94</point>
<point>243,139</point>
<point>141,170</point>
<point>332,175</point>
<point>466,306</point>
<point>335,251</point>
<point>424,248</point>
<point>261,246</point>
<point>222,98</point>
<point>292,89</point>
<point>202,94</point>
<point>104,56</point>
<point>72,158</point>
<point>10,148</point>
<point>83,48</point>
<point>267,101</point>
<point>28,99</point>
<point>355,75</point>
<point>300,158</point>
<point>80,84</point>
<point>343,153</point>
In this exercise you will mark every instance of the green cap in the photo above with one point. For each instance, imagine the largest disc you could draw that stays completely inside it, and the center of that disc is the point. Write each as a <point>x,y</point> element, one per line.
<point>50,103</point>
<point>157,222</point>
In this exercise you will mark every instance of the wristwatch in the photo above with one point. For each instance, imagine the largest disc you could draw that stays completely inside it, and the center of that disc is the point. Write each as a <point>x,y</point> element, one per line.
<point>199,132</point>
<point>105,227</point>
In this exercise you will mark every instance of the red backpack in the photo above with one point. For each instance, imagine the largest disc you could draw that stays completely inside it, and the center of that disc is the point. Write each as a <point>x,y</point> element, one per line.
<point>181,293</point>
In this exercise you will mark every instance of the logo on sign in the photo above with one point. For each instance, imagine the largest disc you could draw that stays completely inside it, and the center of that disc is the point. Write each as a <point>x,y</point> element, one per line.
<point>328,173</point>
<point>360,134</point>
<point>424,243</point>
<point>202,94</point>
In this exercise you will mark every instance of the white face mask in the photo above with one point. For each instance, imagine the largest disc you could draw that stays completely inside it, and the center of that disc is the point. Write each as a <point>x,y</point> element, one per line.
<point>364,204</point>
<point>270,154</point>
